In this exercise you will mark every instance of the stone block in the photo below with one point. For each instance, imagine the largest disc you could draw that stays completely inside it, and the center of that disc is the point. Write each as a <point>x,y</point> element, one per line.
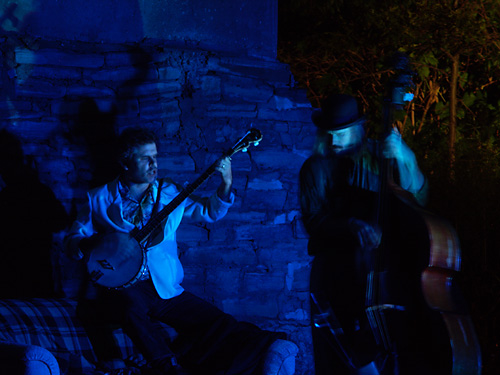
<point>17,114</point>
<point>268,200</point>
<point>249,90</point>
<point>230,111</point>
<point>272,237</point>
<point>167,73</point>
<point>211,87</point>
<point>12,106</point>
<point>58,57</point>
<point>170,89</point>
<point>246,306</point>
<point>259,184</point>
<point>130,57</point>
<point>35,131</point>
<point>285,217</point>
<point>280,103</point>
<point>299,231</point>
<point>62,107</point>
<point>177,163</point>
<point>152,108</point>
<point>120,74</point>
<point>25,72</point>
<point>245,216</point>
<point>298,315</point>
<point>297,278</point>
<point>296,115</point>
<point>246,232</point>
<point>192,234</point>
<point>39,89</point>
<point>224,281</point>
<point>169,127</point>
<point>236,255</point>
<point>89,91</point>
<point>298,96</point>
<point>266,70</point>
<point>284,251</point>
<point>194,278</point>
<point>55,166</point>
<point>241,163</point>
<point>258,280</point>
<point>279,160</point>
<point>128,107</point>
<point>294,302</point>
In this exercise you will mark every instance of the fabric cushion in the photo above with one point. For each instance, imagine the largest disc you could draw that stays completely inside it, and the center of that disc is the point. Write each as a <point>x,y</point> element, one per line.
<point>52,324</point>
<point>27,359</point>
<point>280,358</point>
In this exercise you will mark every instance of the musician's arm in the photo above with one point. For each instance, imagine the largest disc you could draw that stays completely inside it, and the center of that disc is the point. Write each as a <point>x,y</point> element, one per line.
<point>224,189</point>
<point>209,209</point>
<point>411,177</point>
<point>215,207</point>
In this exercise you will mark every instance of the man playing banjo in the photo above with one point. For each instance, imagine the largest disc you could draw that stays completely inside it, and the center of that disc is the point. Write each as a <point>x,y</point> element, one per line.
<point>208,336</point>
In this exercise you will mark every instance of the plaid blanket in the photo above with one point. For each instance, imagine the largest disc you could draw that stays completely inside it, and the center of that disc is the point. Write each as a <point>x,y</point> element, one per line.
<point>53,325</point>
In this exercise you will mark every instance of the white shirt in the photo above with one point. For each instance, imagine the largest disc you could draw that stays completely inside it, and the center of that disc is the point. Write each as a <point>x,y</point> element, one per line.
<point>103,213</point>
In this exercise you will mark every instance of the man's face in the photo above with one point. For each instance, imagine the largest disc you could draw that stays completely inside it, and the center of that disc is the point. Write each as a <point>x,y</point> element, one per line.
<point>142,167</point>
<point>343,141</point>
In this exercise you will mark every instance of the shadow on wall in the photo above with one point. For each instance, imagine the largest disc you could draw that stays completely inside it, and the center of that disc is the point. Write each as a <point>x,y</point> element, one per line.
<point>98,128</point>
<point>90,126</point>
<point>30,215</point>
<point>94,127</point>
<point>30,212</point>
<point>86,124</point>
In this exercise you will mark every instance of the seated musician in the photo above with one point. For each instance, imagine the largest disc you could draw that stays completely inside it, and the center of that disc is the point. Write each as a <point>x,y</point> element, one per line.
<point>211,340</point>
<point>336,195</point>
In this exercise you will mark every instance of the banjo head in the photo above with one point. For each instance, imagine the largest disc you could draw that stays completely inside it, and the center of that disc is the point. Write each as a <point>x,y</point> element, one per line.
<point>117,261</point>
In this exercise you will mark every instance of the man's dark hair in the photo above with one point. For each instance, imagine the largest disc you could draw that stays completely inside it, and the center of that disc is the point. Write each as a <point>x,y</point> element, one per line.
<point>131,138</point>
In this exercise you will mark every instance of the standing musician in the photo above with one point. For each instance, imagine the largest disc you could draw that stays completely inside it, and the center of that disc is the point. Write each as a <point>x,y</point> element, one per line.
<point>337,185</point>
<point>209,340</point>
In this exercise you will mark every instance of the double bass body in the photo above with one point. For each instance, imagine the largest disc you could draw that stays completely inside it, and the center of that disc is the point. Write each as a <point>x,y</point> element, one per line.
<point>421,321</point>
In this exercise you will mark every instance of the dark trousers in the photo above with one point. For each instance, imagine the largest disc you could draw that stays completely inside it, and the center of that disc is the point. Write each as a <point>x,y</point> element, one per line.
<point>339,289</point>
<point>208,339</point>
<point>421,343</point>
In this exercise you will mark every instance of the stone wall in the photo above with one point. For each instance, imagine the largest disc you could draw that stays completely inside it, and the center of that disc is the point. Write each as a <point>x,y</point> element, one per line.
<point>65,101</point>
<point>245,27</point>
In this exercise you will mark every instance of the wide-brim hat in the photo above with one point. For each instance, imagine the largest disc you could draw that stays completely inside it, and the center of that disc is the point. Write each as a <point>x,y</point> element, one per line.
<point>338,111</point>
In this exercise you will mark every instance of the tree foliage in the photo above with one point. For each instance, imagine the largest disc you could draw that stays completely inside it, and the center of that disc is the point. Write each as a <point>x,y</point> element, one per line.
<point>453,124</point>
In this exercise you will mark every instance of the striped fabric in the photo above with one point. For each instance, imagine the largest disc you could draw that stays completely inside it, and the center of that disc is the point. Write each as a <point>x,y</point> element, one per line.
<point>52,324</point>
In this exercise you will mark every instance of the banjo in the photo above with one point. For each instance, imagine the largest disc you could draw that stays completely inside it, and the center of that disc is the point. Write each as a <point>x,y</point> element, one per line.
<point>118,260</point>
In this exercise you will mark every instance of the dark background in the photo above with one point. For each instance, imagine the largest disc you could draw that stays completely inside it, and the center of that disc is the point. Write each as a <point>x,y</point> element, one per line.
<point>346,46</point>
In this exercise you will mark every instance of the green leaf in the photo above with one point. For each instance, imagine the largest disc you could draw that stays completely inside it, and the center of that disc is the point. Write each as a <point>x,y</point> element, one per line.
<point>469,99</point>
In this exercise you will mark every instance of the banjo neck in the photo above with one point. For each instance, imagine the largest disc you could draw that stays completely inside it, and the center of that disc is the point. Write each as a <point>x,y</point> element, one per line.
<point>141,235</point>
<point>116,262</point>
<point>252,137</point>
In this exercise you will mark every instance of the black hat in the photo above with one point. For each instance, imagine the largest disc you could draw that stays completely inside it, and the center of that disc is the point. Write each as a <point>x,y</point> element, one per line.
<point>337,111</point>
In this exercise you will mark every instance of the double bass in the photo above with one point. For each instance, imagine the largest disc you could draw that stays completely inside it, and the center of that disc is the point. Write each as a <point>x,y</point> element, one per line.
<point>413,305</point>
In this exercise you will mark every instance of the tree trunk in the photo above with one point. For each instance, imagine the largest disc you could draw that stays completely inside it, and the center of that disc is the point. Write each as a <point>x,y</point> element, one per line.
<point>453,112</point>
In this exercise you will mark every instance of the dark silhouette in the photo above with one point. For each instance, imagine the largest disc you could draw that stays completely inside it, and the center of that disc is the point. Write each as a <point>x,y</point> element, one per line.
<point>29,216</point>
